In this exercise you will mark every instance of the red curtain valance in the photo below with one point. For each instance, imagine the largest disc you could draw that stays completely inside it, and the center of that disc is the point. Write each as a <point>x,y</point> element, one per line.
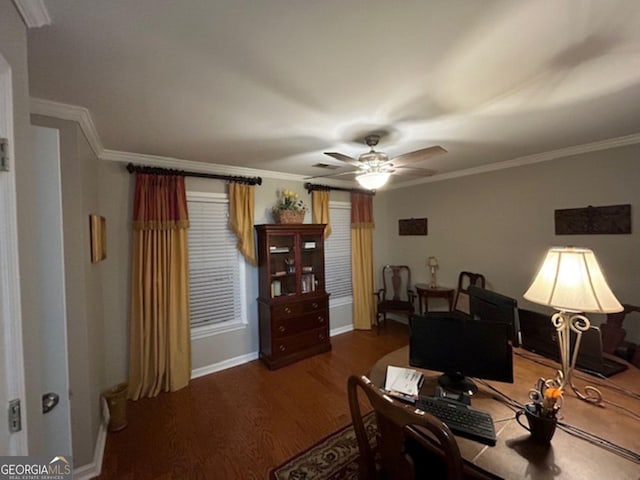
<point>160,202</point>
<point>361,210</point>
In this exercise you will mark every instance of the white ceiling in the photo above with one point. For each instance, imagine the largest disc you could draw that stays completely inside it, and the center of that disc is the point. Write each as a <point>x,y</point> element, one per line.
<point>271,84</point>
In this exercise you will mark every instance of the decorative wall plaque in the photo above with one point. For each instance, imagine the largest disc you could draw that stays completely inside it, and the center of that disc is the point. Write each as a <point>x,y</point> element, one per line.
<point>611,219</point>
<point>412,226</point>
<point>98,235</point>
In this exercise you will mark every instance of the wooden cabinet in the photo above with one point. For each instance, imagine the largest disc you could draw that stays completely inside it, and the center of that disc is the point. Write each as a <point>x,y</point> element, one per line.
<point>293,305</point>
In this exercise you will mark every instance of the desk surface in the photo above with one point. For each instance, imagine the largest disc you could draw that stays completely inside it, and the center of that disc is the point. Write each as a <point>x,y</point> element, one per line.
<point>515,456</point>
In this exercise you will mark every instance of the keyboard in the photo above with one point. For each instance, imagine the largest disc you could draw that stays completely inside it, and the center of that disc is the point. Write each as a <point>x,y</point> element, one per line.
<point>463,420</point>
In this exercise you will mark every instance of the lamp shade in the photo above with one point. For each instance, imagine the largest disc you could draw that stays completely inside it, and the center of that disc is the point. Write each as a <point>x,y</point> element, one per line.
<point>570,279</point>
<point>432,261</point>
<point>373,180</point>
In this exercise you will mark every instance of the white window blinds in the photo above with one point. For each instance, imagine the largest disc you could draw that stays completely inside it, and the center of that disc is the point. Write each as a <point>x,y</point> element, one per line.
<point>338,251</point>
<point>214,262</point>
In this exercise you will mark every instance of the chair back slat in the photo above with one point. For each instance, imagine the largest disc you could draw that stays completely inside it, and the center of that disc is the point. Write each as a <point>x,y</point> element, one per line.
<point>392,417</point>
<point>465,280</point>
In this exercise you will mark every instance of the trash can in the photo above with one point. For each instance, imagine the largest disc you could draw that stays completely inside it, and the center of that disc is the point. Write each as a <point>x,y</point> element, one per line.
<point>116,398</point>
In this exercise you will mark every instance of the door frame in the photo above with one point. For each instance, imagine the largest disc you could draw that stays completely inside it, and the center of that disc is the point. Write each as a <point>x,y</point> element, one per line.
<point>10,308</point>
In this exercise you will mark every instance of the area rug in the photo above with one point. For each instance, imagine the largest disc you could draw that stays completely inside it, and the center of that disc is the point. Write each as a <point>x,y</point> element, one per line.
<point>333,458</point>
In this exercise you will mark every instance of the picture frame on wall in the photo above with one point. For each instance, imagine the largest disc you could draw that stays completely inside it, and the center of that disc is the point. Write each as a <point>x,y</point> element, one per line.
<point>98,234</point>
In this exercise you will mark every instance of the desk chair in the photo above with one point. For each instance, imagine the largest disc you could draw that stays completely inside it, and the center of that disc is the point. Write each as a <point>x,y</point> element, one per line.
<point>431,444</point>
<point>396,295</point>
<point>465,280</point>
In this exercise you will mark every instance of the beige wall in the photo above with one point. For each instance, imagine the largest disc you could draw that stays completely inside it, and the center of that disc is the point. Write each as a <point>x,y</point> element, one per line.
<point>501,223</point>
<point>85,321</point>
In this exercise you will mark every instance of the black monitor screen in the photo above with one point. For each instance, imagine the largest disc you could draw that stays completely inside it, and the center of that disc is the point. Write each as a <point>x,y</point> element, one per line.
<point>495,307</point>
<point>461,347</point>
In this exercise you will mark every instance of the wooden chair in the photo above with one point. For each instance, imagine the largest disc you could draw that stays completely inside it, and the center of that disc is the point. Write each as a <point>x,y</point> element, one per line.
<point>465,280</point>
<point>396,295</point>
<point>427,441</point>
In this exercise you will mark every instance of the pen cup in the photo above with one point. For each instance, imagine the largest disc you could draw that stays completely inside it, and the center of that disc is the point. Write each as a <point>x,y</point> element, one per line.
<point>541,427</point>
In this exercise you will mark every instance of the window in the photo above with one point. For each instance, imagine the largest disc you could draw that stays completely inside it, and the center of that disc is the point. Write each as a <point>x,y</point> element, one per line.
<point>216,268</point>
<point>338,254</point>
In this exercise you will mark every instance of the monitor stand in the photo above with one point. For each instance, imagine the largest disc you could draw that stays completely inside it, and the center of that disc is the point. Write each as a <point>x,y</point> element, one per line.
<point>457,383</point>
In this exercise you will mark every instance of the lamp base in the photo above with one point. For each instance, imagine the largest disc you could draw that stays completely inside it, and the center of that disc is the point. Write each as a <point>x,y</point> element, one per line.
<point>433,278</point>
<point>564,322</point>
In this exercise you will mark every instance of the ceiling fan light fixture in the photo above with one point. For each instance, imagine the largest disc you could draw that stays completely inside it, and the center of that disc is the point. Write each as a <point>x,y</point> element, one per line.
<point>373,180</point>
<point>374,157</point>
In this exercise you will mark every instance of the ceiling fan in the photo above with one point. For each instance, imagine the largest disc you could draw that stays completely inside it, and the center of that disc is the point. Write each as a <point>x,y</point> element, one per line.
<point>374,168</point>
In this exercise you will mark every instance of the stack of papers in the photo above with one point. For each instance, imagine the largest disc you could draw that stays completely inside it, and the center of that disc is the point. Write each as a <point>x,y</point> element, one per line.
<point>403,381</point>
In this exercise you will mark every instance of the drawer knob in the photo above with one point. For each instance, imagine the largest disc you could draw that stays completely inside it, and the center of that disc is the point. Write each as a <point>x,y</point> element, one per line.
<point>314,305</point>
<point>320,319</point>
<point>282,348</point>
<point>321,336</point>
<point>287,310</point>
<point>281,329</point>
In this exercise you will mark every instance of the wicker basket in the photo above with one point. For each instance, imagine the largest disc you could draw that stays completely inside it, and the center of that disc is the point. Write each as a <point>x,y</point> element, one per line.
<point>288,216</point>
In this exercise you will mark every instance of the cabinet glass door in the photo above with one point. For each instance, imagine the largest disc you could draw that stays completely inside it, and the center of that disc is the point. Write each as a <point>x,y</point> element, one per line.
<point>311,262</point>
<point>282,265</point>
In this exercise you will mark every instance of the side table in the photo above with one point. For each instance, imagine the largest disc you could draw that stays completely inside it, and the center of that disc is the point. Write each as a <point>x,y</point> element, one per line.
<point>425,291</point>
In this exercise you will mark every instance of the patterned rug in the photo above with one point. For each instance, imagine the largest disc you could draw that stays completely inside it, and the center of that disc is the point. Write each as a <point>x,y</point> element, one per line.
<point>333,458</point>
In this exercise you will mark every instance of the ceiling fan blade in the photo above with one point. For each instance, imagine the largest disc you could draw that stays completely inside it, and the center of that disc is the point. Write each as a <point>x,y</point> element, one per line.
<point>417,155</point>
<point>344,158</point>
<point>415,172</point>
<point>351,172</point>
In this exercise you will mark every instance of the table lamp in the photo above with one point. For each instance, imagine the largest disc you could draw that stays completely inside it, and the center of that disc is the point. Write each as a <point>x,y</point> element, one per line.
<point>570,280</point>
<point>433,264</point>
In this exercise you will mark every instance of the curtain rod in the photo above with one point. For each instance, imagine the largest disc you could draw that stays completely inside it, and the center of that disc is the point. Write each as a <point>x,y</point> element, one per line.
<point>131,168</point>
<point>310,187</point>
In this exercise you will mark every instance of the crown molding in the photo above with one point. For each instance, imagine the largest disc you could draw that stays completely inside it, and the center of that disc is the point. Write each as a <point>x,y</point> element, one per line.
<point>528,160</point>
<point>70,112</point>
<point>202,167</point>
<point>83,117</point>
<point>34,13</point>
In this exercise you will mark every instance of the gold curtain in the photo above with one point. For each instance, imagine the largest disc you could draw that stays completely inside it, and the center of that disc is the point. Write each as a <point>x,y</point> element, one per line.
<point>320,209</point>
<point>159,340</point>
<point>241,213</point>
<point>362,260</point>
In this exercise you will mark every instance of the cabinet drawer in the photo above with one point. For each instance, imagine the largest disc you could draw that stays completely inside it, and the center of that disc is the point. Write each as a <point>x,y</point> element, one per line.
<point>313,305</point>
<point>283,327</point>
<point>287,311</point>
<point>295,343</point>
<point>294,309</point>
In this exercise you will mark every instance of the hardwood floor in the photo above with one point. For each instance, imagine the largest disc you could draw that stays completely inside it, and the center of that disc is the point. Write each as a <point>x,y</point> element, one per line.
<point>241,422</point>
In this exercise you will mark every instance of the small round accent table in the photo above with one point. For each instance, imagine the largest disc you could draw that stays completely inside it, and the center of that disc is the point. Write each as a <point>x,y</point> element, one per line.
<point>425,291</point>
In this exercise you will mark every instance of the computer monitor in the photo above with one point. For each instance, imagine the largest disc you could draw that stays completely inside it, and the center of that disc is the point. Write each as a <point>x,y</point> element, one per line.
<point>461,347</point>
<point>495,307</point>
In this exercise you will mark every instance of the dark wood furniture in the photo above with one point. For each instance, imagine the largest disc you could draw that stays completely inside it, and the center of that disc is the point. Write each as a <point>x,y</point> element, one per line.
<point>465,280</point>
<point>396,295</point>
<point>293,306</point>
<point>425,292</point>
<point>392,417</point>
<point>515,456</point>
